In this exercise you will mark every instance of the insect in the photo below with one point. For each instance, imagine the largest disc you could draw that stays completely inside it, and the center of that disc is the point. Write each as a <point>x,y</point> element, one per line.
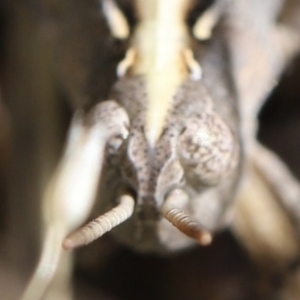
<point>177,134</point>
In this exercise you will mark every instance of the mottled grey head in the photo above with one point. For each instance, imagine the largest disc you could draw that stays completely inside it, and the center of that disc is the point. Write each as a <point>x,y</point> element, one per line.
<point>196,152</point>
<point>180,158</point>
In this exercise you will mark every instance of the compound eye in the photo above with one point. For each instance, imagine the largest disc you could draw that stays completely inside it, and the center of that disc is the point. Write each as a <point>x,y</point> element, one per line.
<point>207,149</point>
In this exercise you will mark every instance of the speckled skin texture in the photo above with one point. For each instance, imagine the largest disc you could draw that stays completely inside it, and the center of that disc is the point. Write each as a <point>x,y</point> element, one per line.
<point>151,173</point>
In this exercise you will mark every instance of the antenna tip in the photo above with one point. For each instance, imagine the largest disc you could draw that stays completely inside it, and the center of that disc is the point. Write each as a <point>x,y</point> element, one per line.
<point>205,238</point>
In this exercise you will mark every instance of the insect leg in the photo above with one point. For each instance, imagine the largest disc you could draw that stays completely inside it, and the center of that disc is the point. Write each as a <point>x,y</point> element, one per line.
<point>259,222</point>
<point>126,63</point>
<point>202,30</point>
<point>193,64</point>
<point>116,20</point>
<point>283,183</point>
<point>70,194</point>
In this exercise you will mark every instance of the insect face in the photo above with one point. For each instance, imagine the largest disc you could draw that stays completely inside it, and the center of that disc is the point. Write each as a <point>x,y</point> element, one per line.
<point>179,143</point>
<point>195,156</point>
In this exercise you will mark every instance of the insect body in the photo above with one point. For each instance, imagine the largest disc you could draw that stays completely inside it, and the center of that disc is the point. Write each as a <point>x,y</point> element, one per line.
<point>170,137</point>
<point>180,145</point>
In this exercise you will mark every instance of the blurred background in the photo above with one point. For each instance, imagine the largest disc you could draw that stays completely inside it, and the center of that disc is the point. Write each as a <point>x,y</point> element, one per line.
<point>56,56</point>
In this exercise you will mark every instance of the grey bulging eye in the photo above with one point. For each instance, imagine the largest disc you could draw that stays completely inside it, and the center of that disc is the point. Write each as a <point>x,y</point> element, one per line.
<point>206,148</point>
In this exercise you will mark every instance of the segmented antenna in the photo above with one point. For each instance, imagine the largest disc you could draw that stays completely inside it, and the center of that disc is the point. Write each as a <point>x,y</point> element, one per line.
<point>171,211</point>
<point>102,224</point>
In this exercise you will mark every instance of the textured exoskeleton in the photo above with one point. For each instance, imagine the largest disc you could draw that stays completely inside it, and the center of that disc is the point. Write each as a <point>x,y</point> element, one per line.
<point>182,143</point>
<point>176,140</point>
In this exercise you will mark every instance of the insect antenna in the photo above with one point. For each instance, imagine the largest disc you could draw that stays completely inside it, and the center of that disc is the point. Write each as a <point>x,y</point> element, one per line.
<point>102,224</point>
<point>172,212</point>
